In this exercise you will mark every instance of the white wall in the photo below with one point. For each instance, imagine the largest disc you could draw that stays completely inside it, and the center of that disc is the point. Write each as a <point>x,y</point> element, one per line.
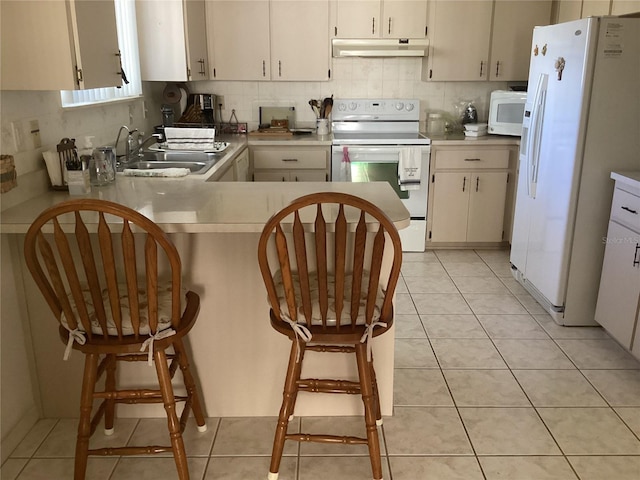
<point>19,402</point>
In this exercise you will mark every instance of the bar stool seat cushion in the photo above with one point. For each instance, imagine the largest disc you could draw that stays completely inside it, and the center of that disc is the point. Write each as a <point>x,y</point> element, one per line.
<point>316,317</point>
<point>164,310</point>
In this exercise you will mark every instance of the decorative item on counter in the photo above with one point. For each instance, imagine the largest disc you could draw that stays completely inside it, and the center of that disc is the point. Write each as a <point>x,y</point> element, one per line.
<point>8,177</point>
<point>233,126</point>
<point>466,113</point>
<point>102,166</point>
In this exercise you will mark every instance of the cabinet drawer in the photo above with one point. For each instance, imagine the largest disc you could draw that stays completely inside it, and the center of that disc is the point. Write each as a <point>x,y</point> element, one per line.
<point>471,159</point>
<point>289,159</point>
<point>626,209</point>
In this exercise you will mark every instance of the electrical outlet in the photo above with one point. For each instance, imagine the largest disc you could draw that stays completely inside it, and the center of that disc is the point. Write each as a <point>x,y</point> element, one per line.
<point>220,102</point>
<point>34,130</point>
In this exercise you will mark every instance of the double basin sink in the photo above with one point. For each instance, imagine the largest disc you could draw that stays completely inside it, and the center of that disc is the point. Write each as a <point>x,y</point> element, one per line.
<point>198,163</point>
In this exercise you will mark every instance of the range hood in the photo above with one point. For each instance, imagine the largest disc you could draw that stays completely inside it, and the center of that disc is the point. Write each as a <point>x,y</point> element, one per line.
<point>379,47</point>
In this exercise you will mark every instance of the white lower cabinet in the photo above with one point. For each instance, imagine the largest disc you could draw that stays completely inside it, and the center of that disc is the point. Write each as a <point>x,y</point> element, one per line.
<point>469,195</point>
<point>290,164</point>
<point>618,304</point>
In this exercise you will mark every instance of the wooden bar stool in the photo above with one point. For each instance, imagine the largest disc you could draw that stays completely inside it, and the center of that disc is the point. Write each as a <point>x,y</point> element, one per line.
<point>112,303</point>
<point>330,263</point>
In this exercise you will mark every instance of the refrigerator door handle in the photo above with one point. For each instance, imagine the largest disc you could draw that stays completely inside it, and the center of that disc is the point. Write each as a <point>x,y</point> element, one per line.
<point>535,134</point>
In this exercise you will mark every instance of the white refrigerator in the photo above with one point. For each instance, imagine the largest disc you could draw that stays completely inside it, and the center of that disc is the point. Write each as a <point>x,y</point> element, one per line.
<point>581,121</point>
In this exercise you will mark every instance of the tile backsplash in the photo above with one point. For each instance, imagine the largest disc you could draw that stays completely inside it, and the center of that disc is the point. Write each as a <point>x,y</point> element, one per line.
<point>351,78</point>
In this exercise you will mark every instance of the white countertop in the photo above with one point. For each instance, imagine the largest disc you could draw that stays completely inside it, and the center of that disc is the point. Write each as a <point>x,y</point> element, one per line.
<point>631,178</point>
<point>460,139</point>
<point>193,206</point>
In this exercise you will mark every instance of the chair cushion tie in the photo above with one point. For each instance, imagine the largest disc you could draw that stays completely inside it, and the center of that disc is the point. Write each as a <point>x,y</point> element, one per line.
<point>75,335</point>
<point>148,343</point>
<point>301,332</point>
<point>368,335</point>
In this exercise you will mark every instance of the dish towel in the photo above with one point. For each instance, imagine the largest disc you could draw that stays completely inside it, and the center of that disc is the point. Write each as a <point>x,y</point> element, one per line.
<point>190,138</point>
<point>409,168</point>
<point>158,172</point>
<point>345,166</point>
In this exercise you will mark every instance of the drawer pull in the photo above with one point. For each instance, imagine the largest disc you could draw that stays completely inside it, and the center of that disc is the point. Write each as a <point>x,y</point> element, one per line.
<point>635,212</point>
<point>471,159</point>
<point>289,159</point>
<point>636,257</point>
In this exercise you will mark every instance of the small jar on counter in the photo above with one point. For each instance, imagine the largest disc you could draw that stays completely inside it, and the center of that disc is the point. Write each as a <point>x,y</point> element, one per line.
<point>435,124</point>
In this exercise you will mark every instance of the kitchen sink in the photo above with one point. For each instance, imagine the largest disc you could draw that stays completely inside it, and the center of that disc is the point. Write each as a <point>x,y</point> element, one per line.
<point>197,162</point>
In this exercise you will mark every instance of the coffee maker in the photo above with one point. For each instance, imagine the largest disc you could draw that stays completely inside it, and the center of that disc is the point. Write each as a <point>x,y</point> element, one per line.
<point>201,108</point>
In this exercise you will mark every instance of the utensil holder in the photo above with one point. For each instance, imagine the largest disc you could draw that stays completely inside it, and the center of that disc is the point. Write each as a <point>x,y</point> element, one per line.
<point>322,126</point>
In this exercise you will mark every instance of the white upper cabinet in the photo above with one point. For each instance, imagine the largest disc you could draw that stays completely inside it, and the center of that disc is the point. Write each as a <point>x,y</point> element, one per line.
<point>574,9</point>
<point>172,40</point>
<point>381,19</point>
<point>59,45</point>
<point>459,35</point>
<point>625,7</point>
<point>513,23</point>
<point>299,48</point>
<point>482,39</point>
<point>238,36</point>
<point>262,40</point>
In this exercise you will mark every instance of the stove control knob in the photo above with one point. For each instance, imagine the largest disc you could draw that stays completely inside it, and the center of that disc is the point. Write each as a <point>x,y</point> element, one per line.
<point>353,106</point>
<point>399,106</point>
<point>342,107</point>
<point>410,107</point>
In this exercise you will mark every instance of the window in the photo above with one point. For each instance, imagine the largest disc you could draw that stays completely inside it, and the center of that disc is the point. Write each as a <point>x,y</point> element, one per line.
<point>128,44</point>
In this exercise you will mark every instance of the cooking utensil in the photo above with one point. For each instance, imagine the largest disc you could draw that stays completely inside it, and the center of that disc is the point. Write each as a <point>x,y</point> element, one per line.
<point>327,103</point>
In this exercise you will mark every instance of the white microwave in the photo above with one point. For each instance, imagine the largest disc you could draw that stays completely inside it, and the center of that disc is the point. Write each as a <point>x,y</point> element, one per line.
<point>506,111</point>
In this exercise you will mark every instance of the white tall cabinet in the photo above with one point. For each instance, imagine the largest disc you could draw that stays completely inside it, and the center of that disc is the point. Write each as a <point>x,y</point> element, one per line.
<point>172,40</point>
<point>381,18</point>
<point>268,40</point>
<point>476,40</point>
<point>59,45</point>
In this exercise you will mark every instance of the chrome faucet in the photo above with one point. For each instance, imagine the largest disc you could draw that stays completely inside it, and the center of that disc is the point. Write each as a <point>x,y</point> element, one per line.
<point>127,155</point>
<point>142,143</point>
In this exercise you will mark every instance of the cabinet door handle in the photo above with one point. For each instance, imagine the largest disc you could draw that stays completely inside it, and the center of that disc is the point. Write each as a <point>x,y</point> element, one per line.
<point>497,68</point>
<point>389,25</point>
<point>289,159</point>
<point>635,212</point>
<point>373,25</point>
<point>481,67</point>
<point>279,68</point>
<point>471,159</point>
<point>464,183</point>
<point>477,183</point>
<point>264,69</point>
<point>202,70</point>
<point>636,257</point>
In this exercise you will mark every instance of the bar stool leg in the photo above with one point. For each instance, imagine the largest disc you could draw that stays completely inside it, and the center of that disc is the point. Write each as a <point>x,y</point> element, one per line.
<point>366,388</point>
<point>84,425</point>
<point>110,386</point>
<point>177,443</point>
<point>190,384</point>
<point>289,396</point>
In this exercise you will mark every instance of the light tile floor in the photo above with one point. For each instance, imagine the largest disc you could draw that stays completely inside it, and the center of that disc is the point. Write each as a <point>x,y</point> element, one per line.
<point>487,386</point>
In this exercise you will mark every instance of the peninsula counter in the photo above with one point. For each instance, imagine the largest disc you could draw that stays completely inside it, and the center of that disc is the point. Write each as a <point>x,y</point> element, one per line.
<point>240,361</point>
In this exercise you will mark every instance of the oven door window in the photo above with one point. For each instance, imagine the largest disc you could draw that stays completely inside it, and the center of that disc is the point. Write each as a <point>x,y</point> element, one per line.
<point>378,172</point>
